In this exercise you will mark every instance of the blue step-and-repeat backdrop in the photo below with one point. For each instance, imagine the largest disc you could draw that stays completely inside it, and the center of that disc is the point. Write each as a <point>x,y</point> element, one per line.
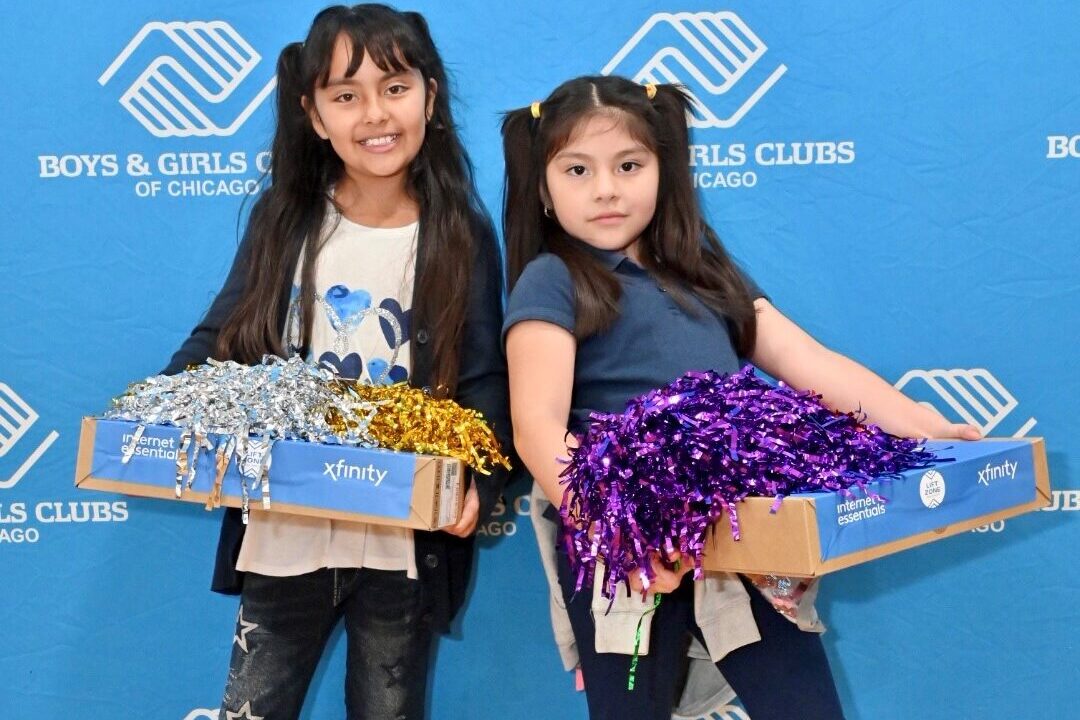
<point>902,177</point>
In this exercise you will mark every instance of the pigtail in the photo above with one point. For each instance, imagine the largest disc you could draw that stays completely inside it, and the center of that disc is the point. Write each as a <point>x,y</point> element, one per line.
<point>523,212</point>
<point>301,161</point>
<point>699,258</point>
<point>680,219</point>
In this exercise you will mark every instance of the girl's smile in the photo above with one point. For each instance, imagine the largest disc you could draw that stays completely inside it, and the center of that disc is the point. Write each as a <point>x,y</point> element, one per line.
<point>380,143</point>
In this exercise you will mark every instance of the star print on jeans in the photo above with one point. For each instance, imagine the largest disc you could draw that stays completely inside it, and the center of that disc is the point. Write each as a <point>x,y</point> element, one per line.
<point>395,673</point>
<point>244,628</point>
<point>244,712</point>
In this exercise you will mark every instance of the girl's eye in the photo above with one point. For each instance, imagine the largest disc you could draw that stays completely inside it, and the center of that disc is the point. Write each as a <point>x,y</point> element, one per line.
<point>396,89</point>
<point>629,166</point>
<point>345,97</point>
<point>576,170</point>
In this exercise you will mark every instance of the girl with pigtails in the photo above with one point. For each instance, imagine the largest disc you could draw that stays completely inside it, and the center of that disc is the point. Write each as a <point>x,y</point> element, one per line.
<point>371,251</point>
<point>618,286</point>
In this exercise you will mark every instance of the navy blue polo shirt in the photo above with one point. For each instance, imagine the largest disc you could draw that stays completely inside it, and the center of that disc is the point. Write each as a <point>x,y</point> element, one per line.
<point>653,341</point>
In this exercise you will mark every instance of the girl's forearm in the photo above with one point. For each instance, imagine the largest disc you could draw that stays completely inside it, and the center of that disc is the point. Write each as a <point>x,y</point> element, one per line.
<point>541,446</point>
<point>847,386</point>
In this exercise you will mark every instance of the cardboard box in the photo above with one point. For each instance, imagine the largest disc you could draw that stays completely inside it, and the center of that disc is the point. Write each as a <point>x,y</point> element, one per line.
<point>317,479</point>
<point>817,533</point>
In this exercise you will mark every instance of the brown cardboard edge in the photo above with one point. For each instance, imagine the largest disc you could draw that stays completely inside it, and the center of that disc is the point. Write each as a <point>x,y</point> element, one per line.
<point>813,539</point>
<point>458,498</point>
<point>1042,470</point>
<point>85,458</point>
<point>437,496</point>
<point>194,496</point>
<point>801,558</point>
<point>89,482</point>
<point>462,488</point>
<point>430,520</point>
<point>421,504</point>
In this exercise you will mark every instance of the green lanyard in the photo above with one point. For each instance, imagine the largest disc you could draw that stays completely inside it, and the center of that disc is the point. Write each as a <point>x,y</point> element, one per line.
<point>637,636</point>
<point>637,642</point>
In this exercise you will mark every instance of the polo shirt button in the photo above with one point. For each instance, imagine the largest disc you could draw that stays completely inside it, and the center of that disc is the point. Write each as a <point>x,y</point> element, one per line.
<point>421,336</point>
<point>662,288</point>
<point>431,561</point>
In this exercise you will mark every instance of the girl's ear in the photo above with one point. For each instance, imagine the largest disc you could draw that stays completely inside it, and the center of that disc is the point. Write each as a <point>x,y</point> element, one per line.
<point>433,90</point>
<point>545,196</point>
<point>313,117</point>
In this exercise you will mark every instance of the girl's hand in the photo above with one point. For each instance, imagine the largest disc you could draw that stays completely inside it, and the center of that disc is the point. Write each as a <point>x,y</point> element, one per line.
<point>664,580</point>
<point>957,431</point>
<point>941,429</point>
<point>470,513</point>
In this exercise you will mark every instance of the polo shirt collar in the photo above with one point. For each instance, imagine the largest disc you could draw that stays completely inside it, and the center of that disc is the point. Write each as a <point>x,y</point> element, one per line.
<point>611,259</point>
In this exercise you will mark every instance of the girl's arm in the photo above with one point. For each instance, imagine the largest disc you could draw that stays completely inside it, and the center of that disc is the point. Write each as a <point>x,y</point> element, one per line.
<point>540,358</point>
<point>788,353</point>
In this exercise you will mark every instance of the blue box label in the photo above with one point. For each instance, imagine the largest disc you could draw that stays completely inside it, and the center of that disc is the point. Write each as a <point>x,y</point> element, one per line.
<point>986,477</point>
<point>315,475</point>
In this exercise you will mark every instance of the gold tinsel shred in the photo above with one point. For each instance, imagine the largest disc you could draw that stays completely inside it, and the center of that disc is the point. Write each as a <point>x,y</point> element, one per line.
<point>410,420</point>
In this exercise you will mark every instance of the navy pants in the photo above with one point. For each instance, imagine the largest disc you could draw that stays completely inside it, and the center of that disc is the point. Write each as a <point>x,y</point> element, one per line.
<point>783,676</point>
<point>283,626</point>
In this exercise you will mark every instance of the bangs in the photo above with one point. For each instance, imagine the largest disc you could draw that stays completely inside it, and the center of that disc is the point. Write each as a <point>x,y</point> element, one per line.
<point>571,123</point>
<point>392,45</point>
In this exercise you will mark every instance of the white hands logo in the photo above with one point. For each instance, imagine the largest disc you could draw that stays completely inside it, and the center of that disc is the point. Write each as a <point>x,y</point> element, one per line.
<point>723,49</point>
<point>202,714</point>
<point>974,395</point>
<point>16,417</point>
<point>191,69</point>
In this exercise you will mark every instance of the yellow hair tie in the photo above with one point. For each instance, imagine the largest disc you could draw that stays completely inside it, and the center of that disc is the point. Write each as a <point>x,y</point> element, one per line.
<point>535,108</point>
<point>650,90</point>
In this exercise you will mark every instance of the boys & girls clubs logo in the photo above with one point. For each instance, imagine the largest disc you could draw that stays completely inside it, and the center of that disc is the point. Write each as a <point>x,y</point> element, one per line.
<point>187,80</point>
<point>23,442</point>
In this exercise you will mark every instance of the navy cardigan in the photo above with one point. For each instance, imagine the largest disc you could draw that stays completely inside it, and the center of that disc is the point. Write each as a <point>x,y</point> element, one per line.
<point>443,561</point>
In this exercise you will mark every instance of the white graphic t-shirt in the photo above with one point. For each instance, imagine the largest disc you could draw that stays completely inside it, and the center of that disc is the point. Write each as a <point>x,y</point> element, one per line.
<point>363,293</point>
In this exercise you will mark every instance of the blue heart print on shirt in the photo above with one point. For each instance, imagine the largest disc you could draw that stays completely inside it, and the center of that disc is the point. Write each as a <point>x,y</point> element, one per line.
<point>347,367</point>
<point>347,304</point>
<point>377,366</point>
<point>351,307</point>
<point>404,319</point>
<point>351,365</point>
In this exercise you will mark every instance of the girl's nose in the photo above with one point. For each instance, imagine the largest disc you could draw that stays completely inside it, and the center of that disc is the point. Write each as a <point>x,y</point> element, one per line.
<point>374,113</point>
<point>604,187</point>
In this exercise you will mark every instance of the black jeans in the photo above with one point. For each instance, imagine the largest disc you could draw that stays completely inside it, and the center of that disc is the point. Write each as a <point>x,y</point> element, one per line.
<point>783,676</point>
<point>283,626</point>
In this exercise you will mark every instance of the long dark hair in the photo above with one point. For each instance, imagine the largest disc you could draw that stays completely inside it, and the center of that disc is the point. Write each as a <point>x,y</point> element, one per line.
<point>291,212</point>
<point>677,246</point>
